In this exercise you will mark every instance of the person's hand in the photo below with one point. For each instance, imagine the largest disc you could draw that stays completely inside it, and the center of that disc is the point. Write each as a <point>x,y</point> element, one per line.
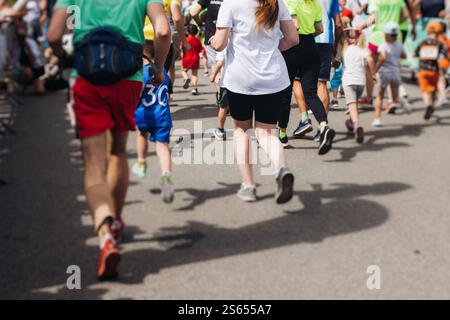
<point>212,78</point>
<point>212,41</point>
<point>186,46</point>
<point>336,63</point>
<point>158,78</point>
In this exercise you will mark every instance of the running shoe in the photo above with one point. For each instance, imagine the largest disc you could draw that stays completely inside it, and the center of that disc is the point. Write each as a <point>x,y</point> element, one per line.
<point>247,193</point>
<point>359,135</point>
<point>195,92</point>
<point>349,125</point>
<point>285,182</point>
<point>206,73</point>
<point>167,191</point>
<point>428,113</point>
<point>186,83</point>
<point>283,139</point>
<point>317,136</point>
<point>365,101</point>
<point>442,101</point>
<point>139,170</point>
<point>391,108</point>
<point>326,140</point>
<point>377,122</point>
<point>404,103</point>
<point>117,228</point>
<point>219,134</point>
<point>303,128</point>
<point>334,104</point>
<point>109,261</point>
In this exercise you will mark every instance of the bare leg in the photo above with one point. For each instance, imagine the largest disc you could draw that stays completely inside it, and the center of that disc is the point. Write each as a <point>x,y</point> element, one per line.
<point>299,97</point>
<point>117,174</point>
<point>324,96</point>
<point>142,147</point>
<point>354,116</point>
<point>96,188</point>
<point>379,102</point>
<point>270,144</point>
<point>222,117</point>
<point>165,160</point>
<point>194,78</point>
<point>242,150</point>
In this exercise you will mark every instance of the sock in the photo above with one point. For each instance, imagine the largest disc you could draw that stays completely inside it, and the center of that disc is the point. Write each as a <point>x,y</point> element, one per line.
<point>282,134</point>
<point>142,160</point>
<point>166,174</point>
<point>105,238</point>
<point>305,116</point>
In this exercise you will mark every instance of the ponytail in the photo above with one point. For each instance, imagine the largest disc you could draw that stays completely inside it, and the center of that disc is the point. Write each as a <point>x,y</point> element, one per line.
<point>267,14</point>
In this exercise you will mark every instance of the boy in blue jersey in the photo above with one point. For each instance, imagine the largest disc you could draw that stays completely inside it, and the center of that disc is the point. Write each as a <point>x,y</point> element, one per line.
<point>154,122</point>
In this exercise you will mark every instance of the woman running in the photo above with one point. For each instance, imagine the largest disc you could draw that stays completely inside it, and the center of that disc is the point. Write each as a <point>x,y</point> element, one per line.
<point>255,76</point>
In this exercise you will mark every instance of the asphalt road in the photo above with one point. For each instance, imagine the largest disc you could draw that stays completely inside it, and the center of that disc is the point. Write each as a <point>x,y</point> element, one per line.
<point>385,203</point>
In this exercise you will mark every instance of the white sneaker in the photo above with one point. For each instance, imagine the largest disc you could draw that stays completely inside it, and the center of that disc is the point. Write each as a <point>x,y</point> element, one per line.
<point>247,193</point>
<point>377,122</point>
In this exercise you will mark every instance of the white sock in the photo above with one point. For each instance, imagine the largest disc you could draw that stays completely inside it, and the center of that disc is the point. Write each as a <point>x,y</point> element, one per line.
<point>105,238</point>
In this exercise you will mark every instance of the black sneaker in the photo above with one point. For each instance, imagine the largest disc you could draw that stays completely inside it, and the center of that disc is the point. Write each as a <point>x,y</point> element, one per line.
<point>303,128</point>
<point>359,135</point>
<point>428,113</point>
<point>284,140</point>
<point>349,125</point>
<point>326,140</point>
<point>219,134</point>
<point>285,181</point>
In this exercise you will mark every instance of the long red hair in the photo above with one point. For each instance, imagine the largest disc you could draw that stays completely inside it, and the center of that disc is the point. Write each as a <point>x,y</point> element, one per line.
<point>267,13</point>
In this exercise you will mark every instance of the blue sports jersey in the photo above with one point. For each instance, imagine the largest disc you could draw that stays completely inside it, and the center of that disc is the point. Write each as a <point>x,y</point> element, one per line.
<point>153,110</point>
<point>329,8</point>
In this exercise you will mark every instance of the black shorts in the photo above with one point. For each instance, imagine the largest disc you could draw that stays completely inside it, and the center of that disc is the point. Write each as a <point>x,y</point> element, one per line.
<point>222,98</point>
<point>326,57</point>
<point>266,107</point>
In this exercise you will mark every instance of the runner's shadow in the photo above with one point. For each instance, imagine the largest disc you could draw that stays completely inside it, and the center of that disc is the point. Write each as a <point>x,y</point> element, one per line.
<point>313,223</point>
<point>373,144</point>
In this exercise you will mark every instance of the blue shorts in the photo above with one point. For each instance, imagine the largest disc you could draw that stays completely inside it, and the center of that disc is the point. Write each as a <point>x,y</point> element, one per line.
<point>158,128</point>
<point>157,134</point>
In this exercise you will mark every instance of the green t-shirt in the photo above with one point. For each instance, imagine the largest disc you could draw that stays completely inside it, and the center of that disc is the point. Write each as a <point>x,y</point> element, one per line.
<point>307,12</point>
<point>386,11</point>
<point>126,16</point>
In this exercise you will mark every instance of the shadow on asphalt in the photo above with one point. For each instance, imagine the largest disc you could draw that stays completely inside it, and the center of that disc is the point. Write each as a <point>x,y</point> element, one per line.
<point>342,213</point>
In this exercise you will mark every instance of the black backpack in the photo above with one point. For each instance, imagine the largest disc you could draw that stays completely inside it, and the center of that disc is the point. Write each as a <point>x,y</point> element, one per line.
<point>105,57</point>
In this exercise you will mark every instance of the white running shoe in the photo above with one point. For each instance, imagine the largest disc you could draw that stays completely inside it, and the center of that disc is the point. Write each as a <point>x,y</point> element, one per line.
<point>377,122</point>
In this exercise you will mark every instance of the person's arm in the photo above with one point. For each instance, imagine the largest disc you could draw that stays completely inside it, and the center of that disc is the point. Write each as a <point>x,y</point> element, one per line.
<point>366,24</point>
<point>56,31</point>
<point>290,35</point>
<point>382,58</point>
<point>318,29</point>
<point>338,32</point>
<point>220,40</point>
<point>178,20</point>
<point>158,19</point>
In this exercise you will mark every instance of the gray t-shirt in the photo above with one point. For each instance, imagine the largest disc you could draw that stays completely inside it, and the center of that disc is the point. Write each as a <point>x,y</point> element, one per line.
<point>394,51</point>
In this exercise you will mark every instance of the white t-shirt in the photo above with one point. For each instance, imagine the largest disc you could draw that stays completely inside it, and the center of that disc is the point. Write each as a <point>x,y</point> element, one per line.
<point>393,52</point>
<point>354,66</point>
<point>254,64</point>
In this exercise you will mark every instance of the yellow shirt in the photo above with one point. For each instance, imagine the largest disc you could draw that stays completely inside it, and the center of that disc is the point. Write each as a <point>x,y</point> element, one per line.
<point>149,33</point>
<point>307,12</point>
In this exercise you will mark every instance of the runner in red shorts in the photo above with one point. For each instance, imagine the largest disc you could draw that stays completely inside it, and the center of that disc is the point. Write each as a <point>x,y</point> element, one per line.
<point>105,113</point>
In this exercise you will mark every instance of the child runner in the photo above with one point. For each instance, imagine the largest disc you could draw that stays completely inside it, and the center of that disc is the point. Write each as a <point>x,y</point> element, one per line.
<point>191,59</point>
<point>154,122</point>
<point>354,79</point>
<point>430,52</point>
<point>222,96</point>
<point>387,69</point>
